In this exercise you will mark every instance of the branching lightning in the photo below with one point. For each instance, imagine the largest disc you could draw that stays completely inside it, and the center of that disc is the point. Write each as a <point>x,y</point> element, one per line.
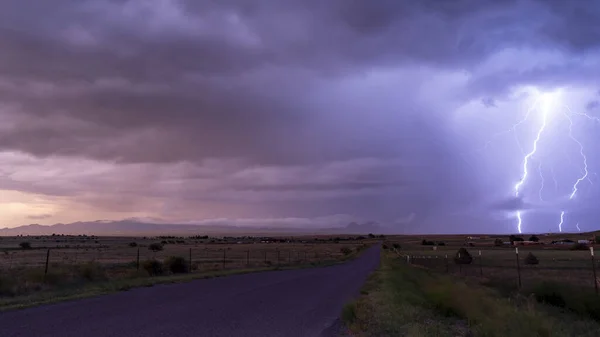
<point>547,107</point>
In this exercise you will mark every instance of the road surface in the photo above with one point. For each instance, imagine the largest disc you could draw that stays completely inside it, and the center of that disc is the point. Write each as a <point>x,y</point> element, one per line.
<point>302,303</point>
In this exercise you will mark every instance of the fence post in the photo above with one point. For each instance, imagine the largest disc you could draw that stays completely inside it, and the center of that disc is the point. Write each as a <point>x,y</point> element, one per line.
<point>594,269</point>
<point>224,252</point>
<point>248,258</point>
<point>137,261</point>
<point>518,266</point>
<point>47,261</point>
<point>480,264</point>
<point>278,253</point>
<point>190,265</point>
<point>447,265</point>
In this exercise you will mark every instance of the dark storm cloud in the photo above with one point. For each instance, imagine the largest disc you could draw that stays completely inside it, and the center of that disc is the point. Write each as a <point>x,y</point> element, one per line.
<point>164,82</point>
<point>199,71</point>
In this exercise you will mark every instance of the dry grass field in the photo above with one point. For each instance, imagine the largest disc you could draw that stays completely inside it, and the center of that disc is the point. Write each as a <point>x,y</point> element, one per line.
<point>565,263</point>
<point>50,267</point>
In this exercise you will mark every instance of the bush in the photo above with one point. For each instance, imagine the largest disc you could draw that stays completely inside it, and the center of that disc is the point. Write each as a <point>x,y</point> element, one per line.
<point>396,246</point>
<point>498,242</point>
<point>91,271</point>
<point>176,265</point>
<point>579,246</point>
<point>534,238</point>
<point>155,247</point>
<point>384,246</point>
<point>427,243</point>
<point>25,245</point>
<point>441,243</point>
<point>346,250</point>
<point>531,259</point>
<point>153,267</point>
<point>133,244</point>
<point>463,257</point>
<point>597,239</point>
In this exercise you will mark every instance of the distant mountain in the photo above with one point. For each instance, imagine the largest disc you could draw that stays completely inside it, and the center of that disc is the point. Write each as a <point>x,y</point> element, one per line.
<point>136,228</point>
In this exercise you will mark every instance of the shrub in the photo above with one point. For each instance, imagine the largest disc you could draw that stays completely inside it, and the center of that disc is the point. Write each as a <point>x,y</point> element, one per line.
<point>133,244</point>
<point>384,246</point>
<point>441,243</point>
<point>531,259</point>
<point>346,251</point>
<point>176,265</point>
<point>534,238</point>
<point>396,246</point>
<point>427,243</point>
<point>579,246</point>
<point>463,257</point>
<point>153,267</point>
<point>597,239</point>
<point>155,247</point>
<point>25,245</point>
<point>91,271</point>
<point>498,242</point>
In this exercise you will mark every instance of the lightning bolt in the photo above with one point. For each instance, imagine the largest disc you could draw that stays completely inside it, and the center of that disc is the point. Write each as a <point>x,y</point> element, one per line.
<point>562,221</point>
<point>543,105</point>
<point>541,181</point>
<point>577,225</point>
<point>529,155</point>
<point>586,172</point>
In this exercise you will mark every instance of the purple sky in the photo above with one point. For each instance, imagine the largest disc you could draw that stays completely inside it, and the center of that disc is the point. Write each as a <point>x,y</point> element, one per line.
<point>311,113</point>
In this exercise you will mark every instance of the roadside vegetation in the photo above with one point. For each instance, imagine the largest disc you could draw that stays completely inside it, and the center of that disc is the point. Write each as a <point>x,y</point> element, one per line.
<point>406,300</point>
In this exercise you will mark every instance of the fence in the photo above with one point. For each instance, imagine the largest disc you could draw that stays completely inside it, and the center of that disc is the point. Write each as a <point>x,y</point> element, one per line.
<point>119,260</point>
<point>578,268</point>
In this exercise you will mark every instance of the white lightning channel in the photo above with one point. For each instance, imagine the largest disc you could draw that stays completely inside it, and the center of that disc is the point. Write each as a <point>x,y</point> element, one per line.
<point>562,220</point>
<point>518,185</point>
<point>542,181</point>
<point>577,225</point>
<point>586,172</point>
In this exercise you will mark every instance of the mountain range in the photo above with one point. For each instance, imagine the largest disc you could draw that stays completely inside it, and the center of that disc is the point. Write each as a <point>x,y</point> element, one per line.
<point>132,227</point>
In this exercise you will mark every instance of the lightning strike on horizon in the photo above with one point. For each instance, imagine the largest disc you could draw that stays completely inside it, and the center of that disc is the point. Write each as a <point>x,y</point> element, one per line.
<point>577,225</point>
<point>544,104</point>
<point>562,220</point>
<point>518,185</point>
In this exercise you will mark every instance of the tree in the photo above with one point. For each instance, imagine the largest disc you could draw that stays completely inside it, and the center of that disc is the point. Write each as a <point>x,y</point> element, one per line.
<point>534,238</point>
<point>498,242</point>
<point>514,238</point>
<point>463,256</point>
<point>25,245</point>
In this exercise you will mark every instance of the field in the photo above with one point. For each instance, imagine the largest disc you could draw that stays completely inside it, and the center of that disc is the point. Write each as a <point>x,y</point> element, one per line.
<point>421,288</point>
<point>41,269</point>
<point>558,262</point>
<point>401,299</point>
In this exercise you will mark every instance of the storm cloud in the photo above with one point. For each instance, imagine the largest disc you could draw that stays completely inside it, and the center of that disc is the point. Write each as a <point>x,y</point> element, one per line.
<point>303,109</point>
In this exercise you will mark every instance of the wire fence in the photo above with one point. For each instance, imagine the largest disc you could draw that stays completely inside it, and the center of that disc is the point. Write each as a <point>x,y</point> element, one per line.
<point>116,260</point>
<point>518,268</point>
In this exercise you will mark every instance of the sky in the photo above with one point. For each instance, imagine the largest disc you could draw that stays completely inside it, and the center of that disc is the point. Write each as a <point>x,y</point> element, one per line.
<point>315,113</point>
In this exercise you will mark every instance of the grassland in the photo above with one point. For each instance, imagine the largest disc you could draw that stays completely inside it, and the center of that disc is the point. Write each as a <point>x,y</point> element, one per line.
<point>556,262</point>
<point>83,266</point>
<point>407,300</point>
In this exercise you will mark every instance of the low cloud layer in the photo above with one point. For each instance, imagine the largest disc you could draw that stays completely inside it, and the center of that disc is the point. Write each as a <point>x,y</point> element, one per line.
<point>280,109</point>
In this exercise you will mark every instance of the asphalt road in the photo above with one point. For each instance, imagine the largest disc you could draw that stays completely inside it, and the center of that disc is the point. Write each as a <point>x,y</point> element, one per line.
<point>303,303</point>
